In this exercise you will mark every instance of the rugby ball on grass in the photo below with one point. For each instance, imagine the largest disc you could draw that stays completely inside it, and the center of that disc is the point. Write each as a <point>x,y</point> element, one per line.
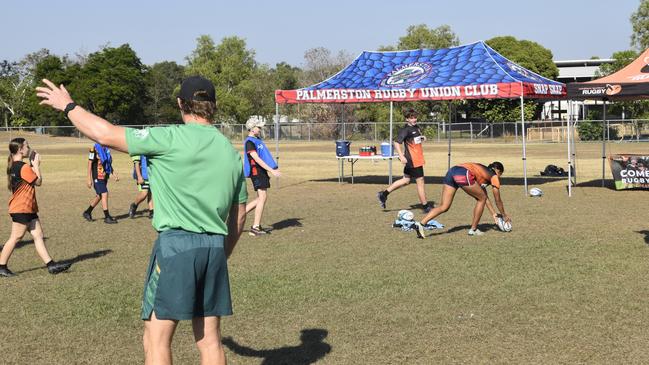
<point>536,192</point>
<point>504,226</point>
<point>405,215</point>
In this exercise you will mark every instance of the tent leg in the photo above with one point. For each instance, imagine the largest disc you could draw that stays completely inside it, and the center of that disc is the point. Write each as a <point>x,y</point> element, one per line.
<point>277,136</point>
<point>569,151</point>
<point>524,145</point>
<point>391,146</point>
<point>604,144</point>
<point>450,110</point>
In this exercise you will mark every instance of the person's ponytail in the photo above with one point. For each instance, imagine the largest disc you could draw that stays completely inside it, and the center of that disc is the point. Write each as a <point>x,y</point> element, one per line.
<point>14,146</point>
<point>496,166</point>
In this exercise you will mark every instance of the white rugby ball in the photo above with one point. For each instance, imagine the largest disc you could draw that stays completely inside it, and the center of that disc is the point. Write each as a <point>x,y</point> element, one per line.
<point>405,215</point>
<point>536,192</point>
<point>504,226</point>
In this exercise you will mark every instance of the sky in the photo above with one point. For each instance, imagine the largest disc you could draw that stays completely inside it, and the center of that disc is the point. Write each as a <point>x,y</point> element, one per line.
<point>281,31</point>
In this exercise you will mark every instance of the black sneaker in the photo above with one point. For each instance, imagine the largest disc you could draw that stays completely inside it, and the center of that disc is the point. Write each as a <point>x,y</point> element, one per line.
<point>87,216</point>
<point>382,199</point>
<point>421,232</point>
<point>110,220</point>
<point>150,214</point>
<point>427,207</point>
<point>131,210</point>
<point>58,267</point>
<point>6,273</point>
<point>257,231</point>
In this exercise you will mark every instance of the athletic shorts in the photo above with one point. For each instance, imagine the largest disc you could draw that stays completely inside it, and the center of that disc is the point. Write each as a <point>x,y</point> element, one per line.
<point>459,176</point>
<point>23,218</point>
<point>144,186</point>
<point>261,181</point>
<point>187,277</point>
<point>414,172</point>
<point>101,186</point>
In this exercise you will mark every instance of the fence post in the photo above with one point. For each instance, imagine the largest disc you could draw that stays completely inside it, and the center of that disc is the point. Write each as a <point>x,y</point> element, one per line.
<point>309,124</point>
<point>471,131</point>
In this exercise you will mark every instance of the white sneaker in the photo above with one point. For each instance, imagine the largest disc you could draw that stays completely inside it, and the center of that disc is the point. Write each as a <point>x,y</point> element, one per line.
<point>475,232</point>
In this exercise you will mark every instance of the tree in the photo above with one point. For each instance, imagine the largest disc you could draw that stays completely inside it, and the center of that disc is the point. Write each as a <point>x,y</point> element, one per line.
<point>15,82</point>
<point>54,69</point>
<point>227,65</point>
<point>320,64</point>
<point>420,36</point>
<point>161,81</point>
<point>640,24</point>
<point>622,59</point>
<point>112,85</point>
<point>528,54</point>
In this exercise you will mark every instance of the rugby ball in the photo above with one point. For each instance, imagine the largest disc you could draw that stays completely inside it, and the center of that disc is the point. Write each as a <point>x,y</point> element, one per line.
<point>405,215</point>
<point>504,226</point>
<point>536,192</point>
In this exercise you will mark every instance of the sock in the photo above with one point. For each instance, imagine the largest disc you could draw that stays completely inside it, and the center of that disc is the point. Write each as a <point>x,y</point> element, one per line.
<point>425,205</point>
<point>385,193</point>
<point>50,263</point>
<point>151,212</point>
<point>3,266</point>
<point>106,214</point>
<point>90,208</point>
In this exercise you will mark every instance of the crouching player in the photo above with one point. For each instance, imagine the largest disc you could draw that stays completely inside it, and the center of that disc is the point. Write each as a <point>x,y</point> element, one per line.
<point>473,178</point>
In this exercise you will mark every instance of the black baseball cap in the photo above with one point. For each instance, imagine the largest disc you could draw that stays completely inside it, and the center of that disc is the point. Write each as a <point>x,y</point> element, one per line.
<point>193,84</point>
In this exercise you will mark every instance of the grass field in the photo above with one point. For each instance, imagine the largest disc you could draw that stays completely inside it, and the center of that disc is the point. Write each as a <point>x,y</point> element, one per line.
<point>335,284</point>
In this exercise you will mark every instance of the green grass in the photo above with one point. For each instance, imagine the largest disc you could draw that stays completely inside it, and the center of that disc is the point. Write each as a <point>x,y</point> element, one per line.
<point>567,285</point>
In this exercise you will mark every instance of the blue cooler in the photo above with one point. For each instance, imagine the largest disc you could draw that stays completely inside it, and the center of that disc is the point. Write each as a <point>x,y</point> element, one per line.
<point>386,149</point>
<point>342,148</point>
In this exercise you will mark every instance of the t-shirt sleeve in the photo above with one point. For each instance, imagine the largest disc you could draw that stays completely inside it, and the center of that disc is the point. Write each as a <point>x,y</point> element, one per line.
<point>27,174</point>
<point>240,191</point>
<point>250,147</point>
<point>402,135</point>
<point>495,181</point>
<point>149,141</point>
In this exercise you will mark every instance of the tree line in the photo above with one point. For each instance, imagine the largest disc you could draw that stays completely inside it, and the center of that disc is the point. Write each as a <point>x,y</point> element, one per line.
<point>115,84</point>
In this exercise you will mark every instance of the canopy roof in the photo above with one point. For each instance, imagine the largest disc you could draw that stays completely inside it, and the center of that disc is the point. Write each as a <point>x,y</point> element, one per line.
<point>472,71</point>
<point>631,82</point>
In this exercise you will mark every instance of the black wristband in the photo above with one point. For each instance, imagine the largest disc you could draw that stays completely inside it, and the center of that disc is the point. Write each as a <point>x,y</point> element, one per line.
<point>69,107</point>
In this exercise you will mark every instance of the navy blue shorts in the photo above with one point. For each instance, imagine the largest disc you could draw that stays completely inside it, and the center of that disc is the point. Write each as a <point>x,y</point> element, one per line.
<point>413,172</point>
<point>459,176</point>
<point>101,186</point>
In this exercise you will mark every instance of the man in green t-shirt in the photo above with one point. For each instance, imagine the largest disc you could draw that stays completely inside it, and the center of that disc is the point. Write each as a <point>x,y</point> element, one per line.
<point>197,179</point>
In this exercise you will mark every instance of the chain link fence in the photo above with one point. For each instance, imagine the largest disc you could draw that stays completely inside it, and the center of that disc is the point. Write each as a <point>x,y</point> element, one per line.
<point>628,130</point>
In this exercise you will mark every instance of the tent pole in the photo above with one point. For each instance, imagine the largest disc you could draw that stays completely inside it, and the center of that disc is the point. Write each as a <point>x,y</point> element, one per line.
<point>524,146</point>
<point>569,151</point>
<point>450,110</point>
<point>342,117</point>
<point>277,136</point>
<point>391,145</point>
<point>604,143</point>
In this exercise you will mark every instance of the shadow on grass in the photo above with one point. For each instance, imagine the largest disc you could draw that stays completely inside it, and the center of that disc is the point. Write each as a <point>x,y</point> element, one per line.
<point>483,227</point>
<point>311,349</point>
<point>23,243</point>
<point>286,223</point>
<point>597,183</point>
<point>382,180</point>
<point>144,213</point>
<point>78,258</point>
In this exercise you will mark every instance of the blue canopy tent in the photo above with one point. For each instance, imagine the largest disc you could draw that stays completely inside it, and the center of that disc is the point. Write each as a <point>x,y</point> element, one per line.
<point>472,71</point>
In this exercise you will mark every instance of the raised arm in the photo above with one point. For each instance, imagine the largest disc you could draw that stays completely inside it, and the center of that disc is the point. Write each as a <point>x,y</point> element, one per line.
<point>92,126</point>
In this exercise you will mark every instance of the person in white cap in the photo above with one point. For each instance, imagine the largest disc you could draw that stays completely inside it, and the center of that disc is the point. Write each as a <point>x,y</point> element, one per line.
<point>258,161</point>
